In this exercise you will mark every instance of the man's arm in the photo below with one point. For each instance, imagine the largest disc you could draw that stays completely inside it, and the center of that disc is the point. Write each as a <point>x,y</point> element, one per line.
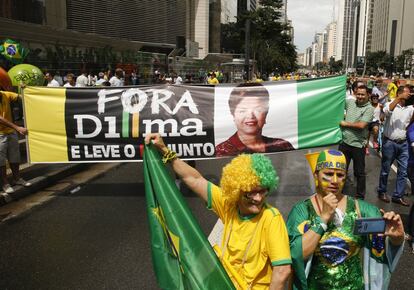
<point>191,177</point>
<point>20,130</point>
<point>394,103</point>
<point>354,125</point>
<point>280,275</point>
<point>311,238</point>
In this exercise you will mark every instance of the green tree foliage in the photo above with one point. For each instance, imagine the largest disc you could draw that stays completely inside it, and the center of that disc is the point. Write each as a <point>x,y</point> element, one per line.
<point>404,61</point>
<point>271,44</point>
<point>378,61</point>
<point>335,66</point>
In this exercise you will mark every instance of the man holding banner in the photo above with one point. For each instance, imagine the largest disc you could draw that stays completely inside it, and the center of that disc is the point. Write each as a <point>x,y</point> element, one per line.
<point>254,248</point>
<point>358,115</point>
<point>9,142</point>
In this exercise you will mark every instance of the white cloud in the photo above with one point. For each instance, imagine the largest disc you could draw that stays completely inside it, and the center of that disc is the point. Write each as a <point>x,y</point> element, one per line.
<point>308,17</point>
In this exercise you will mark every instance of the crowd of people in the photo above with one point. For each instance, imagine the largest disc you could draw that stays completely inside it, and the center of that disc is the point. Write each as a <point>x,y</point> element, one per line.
<point>85,79</point>
<point>317,247</point>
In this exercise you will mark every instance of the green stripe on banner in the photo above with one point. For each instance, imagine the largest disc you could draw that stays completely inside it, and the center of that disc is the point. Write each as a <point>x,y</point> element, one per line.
<point>125,124</point>
<point>321,105</point>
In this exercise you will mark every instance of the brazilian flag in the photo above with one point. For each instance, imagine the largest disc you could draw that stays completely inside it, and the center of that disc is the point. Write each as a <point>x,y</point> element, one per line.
<point>182,256</point>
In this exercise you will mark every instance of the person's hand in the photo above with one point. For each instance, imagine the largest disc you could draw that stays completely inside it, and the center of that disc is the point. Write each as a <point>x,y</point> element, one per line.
<point>394,227</point>
<point>21,130</point>
<point>342,124</point>
<point>157,141</point>
<point>329,204</point>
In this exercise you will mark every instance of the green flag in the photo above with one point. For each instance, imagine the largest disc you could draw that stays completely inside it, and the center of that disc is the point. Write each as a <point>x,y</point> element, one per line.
<point>181,254</point>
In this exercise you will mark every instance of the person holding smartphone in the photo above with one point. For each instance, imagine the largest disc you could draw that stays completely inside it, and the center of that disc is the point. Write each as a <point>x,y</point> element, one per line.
<point>325,250</point>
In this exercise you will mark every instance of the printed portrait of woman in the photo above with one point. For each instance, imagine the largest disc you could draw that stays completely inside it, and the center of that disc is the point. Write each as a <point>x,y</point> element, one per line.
<point>249,106</point>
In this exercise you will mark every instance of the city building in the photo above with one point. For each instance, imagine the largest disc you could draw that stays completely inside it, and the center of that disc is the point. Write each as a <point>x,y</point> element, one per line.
<point>331,40</point>
<point>347,32</point>
<point>370,25</point>
<point>228,11</point>
<point>392,27</point>
<point>308,57</point>
<point>214,26</point>
<point>246,5</point>
<point>300,59</point>
<point>78,33</point>
<point>283,12</point>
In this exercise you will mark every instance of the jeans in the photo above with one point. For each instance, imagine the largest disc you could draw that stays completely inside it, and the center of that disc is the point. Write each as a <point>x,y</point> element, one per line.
<point>393,151</point>
<point>358,156</point>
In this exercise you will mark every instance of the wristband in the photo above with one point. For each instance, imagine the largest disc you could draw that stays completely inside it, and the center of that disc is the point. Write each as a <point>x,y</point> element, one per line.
<point>318,226</point>
<point>169,156</point>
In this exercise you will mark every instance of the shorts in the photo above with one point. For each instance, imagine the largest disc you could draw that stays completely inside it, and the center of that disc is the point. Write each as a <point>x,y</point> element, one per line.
<point>9,149</point>
<point>371,125</point>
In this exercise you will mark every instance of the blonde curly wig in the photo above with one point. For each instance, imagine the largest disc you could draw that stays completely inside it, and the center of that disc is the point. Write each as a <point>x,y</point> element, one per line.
<point>246,172</point>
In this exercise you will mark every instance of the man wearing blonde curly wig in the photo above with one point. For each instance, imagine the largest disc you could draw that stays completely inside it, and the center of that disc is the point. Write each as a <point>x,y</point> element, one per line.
<point>255,245</point>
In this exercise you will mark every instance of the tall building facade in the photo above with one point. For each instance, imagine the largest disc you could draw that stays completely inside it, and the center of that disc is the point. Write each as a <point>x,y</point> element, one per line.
<point>123,19</point>
<point>370,25</point>
<point>392,27</point>
<point>181,26</point>
<point>124,25</point>
<point>331,30</point>
<point>283,12</point>
<point>308,57</point>
<point>228,11</point>
<point>246,5</point>
<point>364,17</point>
<point>347,31</point>
<point>215,25</point>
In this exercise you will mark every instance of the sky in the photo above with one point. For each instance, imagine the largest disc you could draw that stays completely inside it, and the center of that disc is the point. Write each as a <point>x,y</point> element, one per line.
<point>308,17</point>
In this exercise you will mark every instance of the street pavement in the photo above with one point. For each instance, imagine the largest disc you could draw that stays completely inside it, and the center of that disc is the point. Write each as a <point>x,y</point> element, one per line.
<point>95,235</point>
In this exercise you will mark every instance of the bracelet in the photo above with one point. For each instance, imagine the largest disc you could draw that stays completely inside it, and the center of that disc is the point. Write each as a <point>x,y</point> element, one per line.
<point>318,226</point>
<point>169,156</point>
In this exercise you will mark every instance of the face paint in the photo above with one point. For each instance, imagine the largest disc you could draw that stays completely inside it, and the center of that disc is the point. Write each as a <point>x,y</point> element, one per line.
<point>331,180</point>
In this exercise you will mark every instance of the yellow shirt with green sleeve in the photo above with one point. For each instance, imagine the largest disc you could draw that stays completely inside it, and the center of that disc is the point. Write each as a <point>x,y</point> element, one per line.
<point>261,240</point>
<point>5,110</point>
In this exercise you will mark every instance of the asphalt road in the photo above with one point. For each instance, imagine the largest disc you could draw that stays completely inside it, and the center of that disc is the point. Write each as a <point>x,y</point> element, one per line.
<point>98,238</point>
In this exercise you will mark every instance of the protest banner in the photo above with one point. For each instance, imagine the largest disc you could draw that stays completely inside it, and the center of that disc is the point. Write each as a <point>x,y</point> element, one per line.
<point>109,124</point>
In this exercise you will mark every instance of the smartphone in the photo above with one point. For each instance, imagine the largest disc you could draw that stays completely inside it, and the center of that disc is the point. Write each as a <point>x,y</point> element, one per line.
<point>364,226</point>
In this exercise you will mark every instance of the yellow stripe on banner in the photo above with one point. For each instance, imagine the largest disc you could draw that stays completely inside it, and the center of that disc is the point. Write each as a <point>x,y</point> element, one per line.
<point>45,120</point>
<point>135,125</point>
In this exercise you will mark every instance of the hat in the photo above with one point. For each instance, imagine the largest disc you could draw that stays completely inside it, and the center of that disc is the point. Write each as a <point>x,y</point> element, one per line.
<point>327,159</point>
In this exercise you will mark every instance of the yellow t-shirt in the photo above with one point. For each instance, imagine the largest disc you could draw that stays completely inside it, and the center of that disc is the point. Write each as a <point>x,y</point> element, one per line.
<point>392,88</point>
<point>268,235</point>
<point>5,110</point>
<point>213,81</point>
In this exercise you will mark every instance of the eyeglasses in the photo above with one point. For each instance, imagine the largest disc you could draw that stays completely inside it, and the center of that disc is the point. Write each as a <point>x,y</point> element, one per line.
<point>253,193</point>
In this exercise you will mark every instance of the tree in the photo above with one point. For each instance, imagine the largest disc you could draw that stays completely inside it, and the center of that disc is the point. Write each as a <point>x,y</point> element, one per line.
<point>378,61</point>
<point>404,61</point>
<point>271,44</point>
<point>335,66</point>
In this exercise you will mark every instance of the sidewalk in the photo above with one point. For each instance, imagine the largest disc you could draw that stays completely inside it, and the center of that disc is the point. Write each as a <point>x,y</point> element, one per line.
<point>40,176</point>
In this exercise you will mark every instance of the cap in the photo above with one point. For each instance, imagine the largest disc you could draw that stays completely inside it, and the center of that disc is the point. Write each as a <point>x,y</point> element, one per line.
<point>331,159</point>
